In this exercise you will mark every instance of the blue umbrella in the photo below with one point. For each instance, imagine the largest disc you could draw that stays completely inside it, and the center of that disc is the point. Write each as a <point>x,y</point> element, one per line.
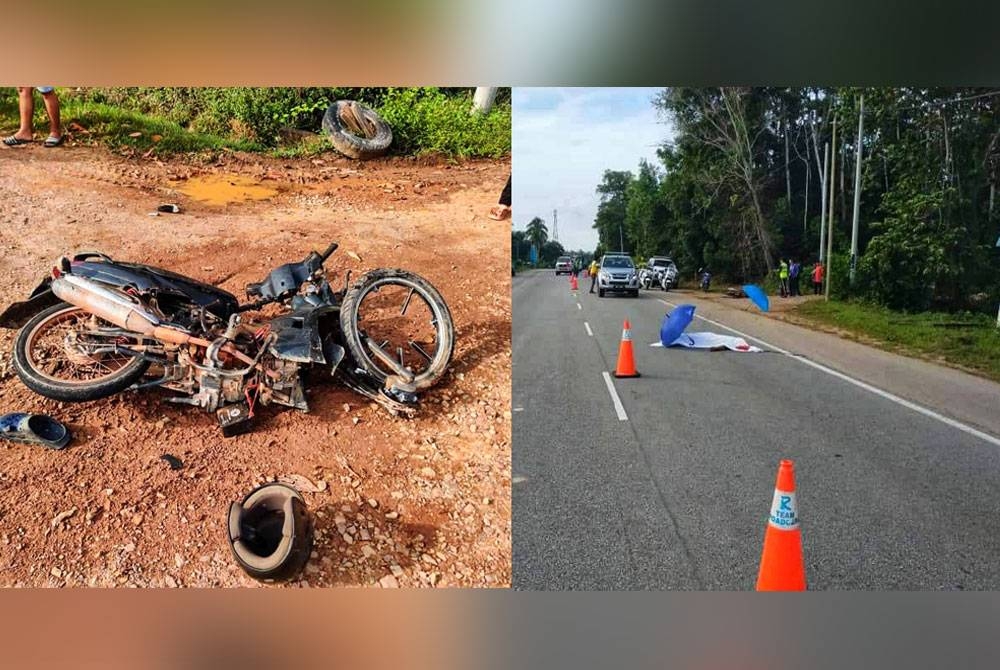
<point>674,324</point>
<point>757,295</point>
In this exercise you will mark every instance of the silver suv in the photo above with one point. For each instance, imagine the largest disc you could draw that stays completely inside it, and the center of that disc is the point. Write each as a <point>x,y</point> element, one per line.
<point>617,273</point>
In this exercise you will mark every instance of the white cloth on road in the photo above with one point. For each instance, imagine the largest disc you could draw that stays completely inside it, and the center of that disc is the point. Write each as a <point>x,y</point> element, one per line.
<point>710,341</point>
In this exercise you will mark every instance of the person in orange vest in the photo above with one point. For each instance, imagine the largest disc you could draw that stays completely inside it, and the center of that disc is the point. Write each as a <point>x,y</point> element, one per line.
<point>817,277</point>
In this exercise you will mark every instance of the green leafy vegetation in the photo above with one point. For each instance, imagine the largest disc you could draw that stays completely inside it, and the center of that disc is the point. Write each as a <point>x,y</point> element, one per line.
<point>424,121</point>
<point>739,186</point>
<point>964,339</point>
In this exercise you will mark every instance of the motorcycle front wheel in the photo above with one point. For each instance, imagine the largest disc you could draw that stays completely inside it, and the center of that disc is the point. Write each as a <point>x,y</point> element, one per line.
<point>67,354</point>
<point>389,333</point>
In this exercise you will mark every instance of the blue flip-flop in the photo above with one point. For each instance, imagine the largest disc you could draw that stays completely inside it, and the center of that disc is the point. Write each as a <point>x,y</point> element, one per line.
<point>34,429</point>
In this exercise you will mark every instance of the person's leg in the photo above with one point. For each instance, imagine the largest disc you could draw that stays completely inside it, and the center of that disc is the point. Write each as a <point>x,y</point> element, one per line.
<point>26,107</point>
<point>593,280</point>
<point>505,194</point>
<point>52,109</point>
<point>502,209</point>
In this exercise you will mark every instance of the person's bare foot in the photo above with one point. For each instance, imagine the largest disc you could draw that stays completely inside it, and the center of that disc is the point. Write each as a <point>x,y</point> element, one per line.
<point>500,212</point>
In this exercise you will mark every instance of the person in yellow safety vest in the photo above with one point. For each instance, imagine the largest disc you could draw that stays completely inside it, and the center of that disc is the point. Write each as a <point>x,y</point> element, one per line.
<point>592,270</point>
<point>783,277</point>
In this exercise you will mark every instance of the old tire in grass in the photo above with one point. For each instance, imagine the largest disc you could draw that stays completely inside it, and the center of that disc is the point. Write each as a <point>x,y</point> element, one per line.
<point>356,130</point>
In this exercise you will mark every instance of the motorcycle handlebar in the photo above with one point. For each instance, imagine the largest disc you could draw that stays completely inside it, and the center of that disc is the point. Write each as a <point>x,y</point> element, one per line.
<point>329,251</point>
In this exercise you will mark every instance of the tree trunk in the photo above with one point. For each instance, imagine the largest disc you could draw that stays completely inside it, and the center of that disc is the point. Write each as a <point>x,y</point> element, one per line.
<point>788,173</point>
<point>805,205</point>
<point>843,191</point>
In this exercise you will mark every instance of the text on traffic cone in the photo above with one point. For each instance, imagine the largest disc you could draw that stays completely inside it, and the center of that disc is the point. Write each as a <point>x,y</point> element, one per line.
<point>626,358</point>
<point>782,567</point>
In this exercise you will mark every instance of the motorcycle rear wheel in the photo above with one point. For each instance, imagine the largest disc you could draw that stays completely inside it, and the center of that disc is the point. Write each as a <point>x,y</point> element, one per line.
<point>356,319</point>
<point>57,372</point>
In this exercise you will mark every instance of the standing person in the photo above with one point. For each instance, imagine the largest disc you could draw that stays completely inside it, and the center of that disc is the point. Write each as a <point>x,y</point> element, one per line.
<point>793,277</point>
<point>783,277</point>
<point>26,106</point>
<point>502,209</point>
<point>817,277</point>
<point>592,270</point>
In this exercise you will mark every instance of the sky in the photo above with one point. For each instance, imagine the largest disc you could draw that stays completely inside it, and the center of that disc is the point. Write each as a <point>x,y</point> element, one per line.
<point>563,141</point>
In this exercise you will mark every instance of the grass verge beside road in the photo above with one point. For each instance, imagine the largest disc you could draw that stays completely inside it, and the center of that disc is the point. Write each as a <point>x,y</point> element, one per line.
<point>284,122</point>
<point>967,341</point>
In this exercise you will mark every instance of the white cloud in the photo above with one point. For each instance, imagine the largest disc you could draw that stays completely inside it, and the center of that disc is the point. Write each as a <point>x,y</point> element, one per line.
<point>563,141</point>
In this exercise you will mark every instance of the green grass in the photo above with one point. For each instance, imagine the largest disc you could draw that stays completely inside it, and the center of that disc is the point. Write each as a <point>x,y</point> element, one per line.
<point>423,120</point>
<point>114,127</point>
<point>967,340</point>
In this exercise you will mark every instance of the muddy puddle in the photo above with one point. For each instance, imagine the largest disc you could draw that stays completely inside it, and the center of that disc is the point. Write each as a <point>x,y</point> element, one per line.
<point>223,189</point>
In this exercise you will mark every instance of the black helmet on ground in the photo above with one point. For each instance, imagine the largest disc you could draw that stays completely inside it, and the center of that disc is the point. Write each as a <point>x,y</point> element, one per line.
<point>271,532</point>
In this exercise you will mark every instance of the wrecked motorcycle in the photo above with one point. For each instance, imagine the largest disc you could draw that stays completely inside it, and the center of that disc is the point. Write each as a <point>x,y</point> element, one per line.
<point>97,327</point>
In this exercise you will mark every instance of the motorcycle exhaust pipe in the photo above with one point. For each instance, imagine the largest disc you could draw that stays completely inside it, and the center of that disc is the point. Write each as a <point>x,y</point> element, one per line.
<point>117,309</point>
<point>106,304</point>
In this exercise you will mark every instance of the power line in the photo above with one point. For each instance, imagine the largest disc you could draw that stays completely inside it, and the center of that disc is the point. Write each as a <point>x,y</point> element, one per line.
<point>942,103</point>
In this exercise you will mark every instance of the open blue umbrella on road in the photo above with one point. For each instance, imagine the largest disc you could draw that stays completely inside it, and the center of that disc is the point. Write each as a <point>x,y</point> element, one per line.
<point>757,295</point>
<point>674,324</point>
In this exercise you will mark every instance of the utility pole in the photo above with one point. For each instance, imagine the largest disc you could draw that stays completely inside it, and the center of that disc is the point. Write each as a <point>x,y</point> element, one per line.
<point>555,226</point>
<point>621,236</point>
<point>483,99</point>
<point>829,232</point>
<point>857,190</point>
<point>822,207</point>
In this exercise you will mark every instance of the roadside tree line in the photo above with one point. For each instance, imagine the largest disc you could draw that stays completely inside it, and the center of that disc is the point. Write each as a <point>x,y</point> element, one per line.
<point>746,180</point>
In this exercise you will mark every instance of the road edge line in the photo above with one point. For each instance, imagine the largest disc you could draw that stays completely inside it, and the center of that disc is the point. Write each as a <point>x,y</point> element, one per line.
<point>920,409</point>
<point>619,408</point>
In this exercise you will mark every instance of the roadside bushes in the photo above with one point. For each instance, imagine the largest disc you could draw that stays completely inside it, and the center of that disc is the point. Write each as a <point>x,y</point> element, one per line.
<point>424,120</point>
<point>427,120</point>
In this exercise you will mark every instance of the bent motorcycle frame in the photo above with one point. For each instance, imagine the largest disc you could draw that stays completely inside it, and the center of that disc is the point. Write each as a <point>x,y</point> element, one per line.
<point>296,337</point>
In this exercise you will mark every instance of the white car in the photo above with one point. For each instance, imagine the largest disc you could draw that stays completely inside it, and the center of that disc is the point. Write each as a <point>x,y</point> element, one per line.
<point>564,264</point>
<point>617,274</point>
<point>665,271</point>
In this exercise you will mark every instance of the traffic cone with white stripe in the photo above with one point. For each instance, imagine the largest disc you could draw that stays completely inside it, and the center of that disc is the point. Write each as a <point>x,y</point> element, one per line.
<point>626,358</point>
<point>572,282</point>
<point>782,567</point>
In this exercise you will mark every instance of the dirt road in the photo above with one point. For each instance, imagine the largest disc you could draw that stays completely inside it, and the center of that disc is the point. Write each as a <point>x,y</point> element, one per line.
<point>415,503</point>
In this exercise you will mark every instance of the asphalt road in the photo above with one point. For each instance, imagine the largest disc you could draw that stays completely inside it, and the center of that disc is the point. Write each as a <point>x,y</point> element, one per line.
<point>676,496</point>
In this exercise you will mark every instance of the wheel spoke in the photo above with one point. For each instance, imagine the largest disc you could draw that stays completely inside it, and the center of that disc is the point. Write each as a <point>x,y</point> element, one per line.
<point>416,347</point>
<point>406,303</point>
<point>387,358</point>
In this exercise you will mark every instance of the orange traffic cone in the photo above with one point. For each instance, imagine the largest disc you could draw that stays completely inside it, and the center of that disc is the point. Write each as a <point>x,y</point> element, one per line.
<point>572,282</point>
<point>782,567</point>
<point>626,361</point>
